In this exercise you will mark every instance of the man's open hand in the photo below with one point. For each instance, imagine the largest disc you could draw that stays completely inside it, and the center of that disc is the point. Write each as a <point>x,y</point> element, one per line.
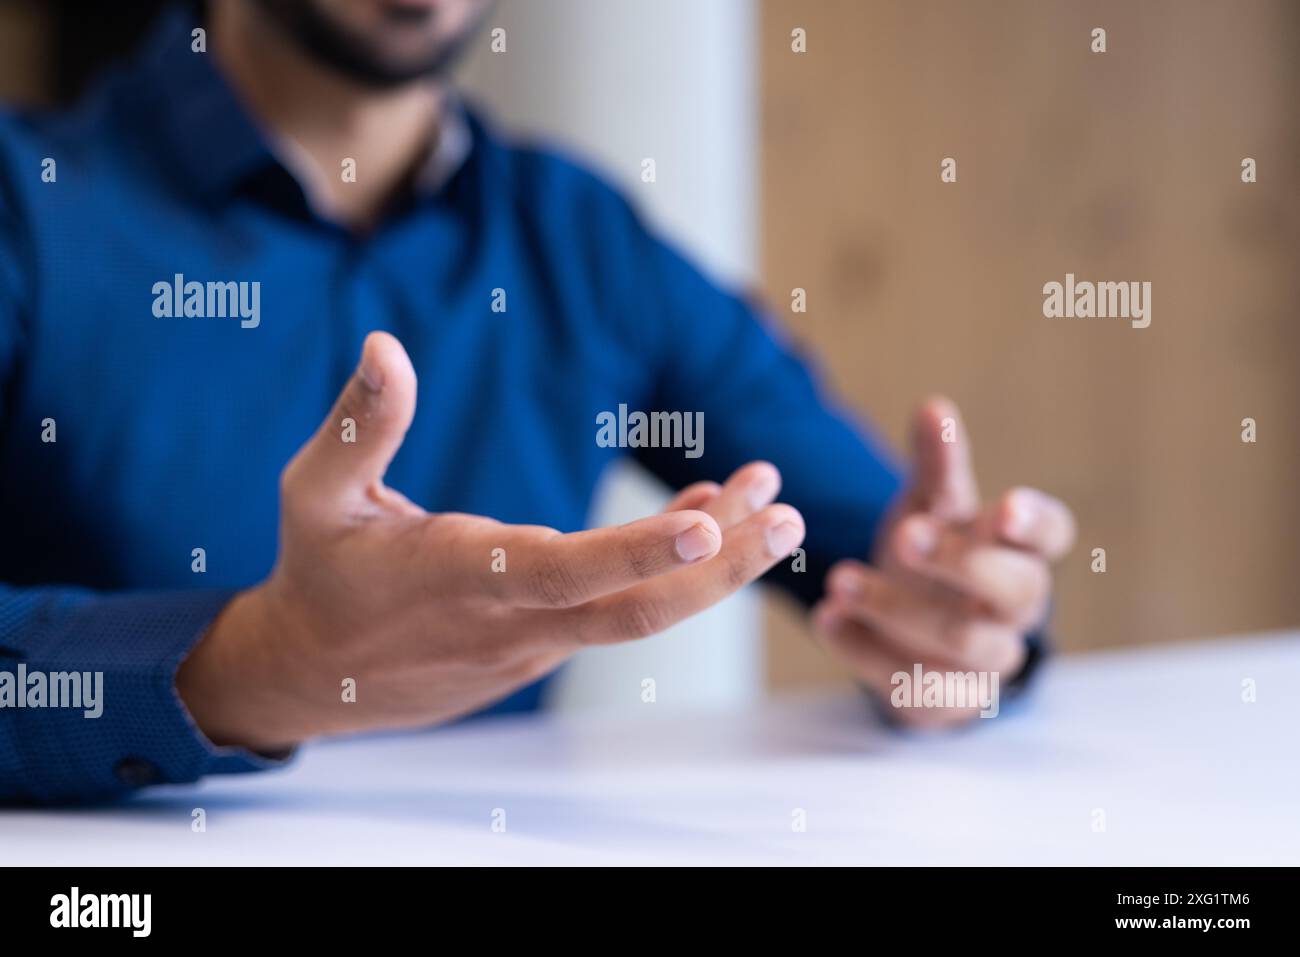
<point>955,587</point>
<point>436,615</point>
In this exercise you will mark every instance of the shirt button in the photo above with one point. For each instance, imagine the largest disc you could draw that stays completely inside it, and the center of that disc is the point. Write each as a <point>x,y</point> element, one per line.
<point>136,772</point>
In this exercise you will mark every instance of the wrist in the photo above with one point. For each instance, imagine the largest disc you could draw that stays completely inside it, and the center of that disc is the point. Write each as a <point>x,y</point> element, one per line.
<point>233,683</point>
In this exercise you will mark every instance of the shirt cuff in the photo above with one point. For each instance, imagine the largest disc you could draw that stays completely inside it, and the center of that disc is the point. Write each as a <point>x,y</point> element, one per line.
<point>142,734</point>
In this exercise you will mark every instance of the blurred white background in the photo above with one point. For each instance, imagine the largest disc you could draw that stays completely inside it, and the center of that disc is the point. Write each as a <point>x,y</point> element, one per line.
<point>614,83</point>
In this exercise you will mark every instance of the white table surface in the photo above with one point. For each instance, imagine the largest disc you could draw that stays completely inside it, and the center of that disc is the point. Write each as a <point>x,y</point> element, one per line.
<point>1159,740</point>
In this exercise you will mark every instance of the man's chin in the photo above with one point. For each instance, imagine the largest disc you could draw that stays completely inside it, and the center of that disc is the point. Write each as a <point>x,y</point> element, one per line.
<point>384,73</point>
<point>365,59</point>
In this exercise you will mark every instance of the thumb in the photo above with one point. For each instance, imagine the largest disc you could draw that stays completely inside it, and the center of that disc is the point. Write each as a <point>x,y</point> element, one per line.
<point>944,482</point>
<point>352,449</point>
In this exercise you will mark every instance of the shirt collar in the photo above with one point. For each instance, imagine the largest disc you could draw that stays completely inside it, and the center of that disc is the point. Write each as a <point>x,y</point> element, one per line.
<point>441,162</point>
<point>218,143</point>
<point>450,152</point>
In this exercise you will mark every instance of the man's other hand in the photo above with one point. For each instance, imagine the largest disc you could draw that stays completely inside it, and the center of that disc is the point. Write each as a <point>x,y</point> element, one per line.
<point>955,586</point>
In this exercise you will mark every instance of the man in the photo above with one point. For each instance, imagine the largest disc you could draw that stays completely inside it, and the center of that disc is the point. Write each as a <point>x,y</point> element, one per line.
<point>190,264</point>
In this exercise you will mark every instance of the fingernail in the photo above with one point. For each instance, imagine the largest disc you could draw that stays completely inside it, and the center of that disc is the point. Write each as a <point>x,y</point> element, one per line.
<point>694,543</point>
<point>1020,516</point>
<point>370,373</point>
<point>846,582</point>
<point>763,491</point>
<point>923,538</point>
<point>782,539</point>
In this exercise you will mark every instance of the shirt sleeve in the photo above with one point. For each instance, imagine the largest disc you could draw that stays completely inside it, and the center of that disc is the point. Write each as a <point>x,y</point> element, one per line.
<point>88,703</point>
<point>119,725</point>
<point>718,355</point>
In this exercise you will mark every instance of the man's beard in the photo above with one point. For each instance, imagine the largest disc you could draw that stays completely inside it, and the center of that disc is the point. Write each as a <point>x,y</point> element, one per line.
<point>331,44</point>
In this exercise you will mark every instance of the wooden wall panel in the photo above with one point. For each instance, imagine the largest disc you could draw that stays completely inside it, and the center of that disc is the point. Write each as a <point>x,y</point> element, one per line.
<point>1123,165</point>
